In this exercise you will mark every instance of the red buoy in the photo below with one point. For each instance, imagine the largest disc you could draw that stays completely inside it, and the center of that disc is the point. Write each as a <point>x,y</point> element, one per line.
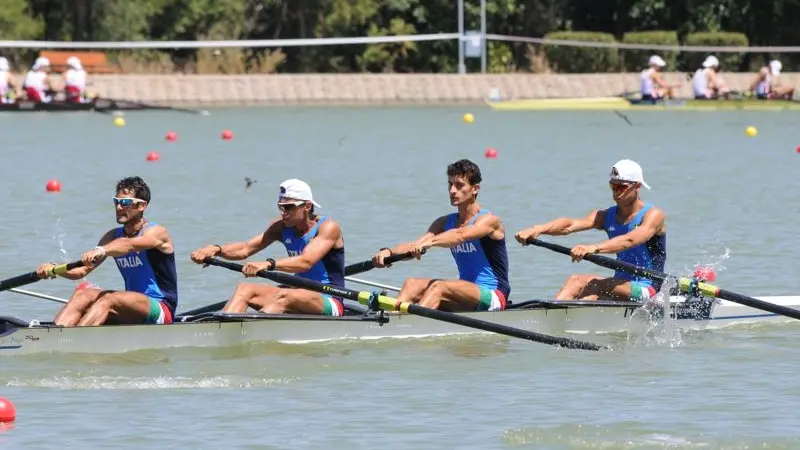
<point>227,135</point>
<point>153,156</point>
<point>7,411</point>
<point>491,153</point>
<point>172,136</point>
<point>53,186</point>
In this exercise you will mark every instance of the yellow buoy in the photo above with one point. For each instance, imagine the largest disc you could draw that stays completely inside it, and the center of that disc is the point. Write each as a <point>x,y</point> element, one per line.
<point>469,118</point>
<point>751,131</point>
<point>119,121</point>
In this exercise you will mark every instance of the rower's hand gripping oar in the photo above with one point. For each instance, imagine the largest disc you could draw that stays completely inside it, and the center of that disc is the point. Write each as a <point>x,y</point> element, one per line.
<point>32,277</point>
<point>352,269</point>
<point>365,266</point>
<point>685,284</point>
<point>375,301</point>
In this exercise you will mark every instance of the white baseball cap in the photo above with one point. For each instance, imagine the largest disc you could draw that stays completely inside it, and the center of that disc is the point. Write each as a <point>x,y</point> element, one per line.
<point>627,170</point>
<point>711,61</point>
<point>4,63</point>
<point>74,62</point>
<point>775,67</point>
<point>41,62</point>
<point>297,189</point>
<point>656,60</point>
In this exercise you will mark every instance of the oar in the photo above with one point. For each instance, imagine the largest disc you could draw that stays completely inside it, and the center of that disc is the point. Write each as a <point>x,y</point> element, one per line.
<point>201,112</point>
<point>365,266</point>
<point>384,302</point>
<point>32,277</point>
<point>353,269</point>
<point>38,295</point>
<point>684,283</point>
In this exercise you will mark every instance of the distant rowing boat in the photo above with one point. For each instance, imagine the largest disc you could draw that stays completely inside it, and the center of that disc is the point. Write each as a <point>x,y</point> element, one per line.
<point>19,337</point>
<point>620,103</point>
<point>97,105</point>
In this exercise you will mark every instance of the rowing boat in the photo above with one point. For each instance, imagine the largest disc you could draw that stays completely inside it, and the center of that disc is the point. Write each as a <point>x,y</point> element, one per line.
<point>20,337</point>
<point>621,103</point>
<point>98,105</point>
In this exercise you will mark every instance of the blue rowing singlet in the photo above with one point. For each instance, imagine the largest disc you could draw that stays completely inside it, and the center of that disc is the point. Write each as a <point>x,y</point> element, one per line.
<point>328,270</point>
<point>651,255</point>
<point>481,261</point>
<point>150,272</point>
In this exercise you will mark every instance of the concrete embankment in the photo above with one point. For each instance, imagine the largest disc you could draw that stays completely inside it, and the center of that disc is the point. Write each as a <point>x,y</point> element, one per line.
<point>374,89</point>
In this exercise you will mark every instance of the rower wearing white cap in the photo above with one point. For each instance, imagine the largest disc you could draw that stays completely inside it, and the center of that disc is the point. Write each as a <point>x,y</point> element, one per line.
<point>315,248</point>
<point>74,80</point>
<point>37,82</point>
<point>653,86</point>
<point>764,86</point>
<point>707,83</point>
<point>9,89</point>
<point>636,232</point>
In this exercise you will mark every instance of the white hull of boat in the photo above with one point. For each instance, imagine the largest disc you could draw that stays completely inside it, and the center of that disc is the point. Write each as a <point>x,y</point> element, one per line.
<point>549,317</point>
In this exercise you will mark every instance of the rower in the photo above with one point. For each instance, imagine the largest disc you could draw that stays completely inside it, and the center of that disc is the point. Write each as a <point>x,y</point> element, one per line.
<point>653,86</point>
<point>75,81</point>
<point>37,81</point>
<point>476,239</point>
<point>707,84</point>
<point>636,233</point>
<point>145,257</point>
<point>764,87</point>
<point>315,248</point>
<point>9,89</point>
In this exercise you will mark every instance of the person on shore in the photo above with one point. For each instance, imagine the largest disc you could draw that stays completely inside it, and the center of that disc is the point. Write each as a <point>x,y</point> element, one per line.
<point>707,84</point>
<point>653,86</point>
<point>765,87</point>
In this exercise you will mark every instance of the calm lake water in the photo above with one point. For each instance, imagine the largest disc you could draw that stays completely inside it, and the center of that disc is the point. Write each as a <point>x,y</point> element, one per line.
<point>731,201</point>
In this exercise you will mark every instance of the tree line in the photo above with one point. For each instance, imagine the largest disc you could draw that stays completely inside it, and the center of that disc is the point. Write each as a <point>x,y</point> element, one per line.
<point>726,22</point>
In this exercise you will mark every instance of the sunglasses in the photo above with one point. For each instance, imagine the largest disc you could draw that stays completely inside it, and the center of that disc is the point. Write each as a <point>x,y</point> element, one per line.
<point>126,201</point>
<point>617,186</point>
<point>289,206</point>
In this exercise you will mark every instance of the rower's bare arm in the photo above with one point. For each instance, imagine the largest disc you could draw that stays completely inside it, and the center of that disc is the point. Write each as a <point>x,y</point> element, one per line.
<point>652,224</point>
<point>566,225</point>
<point>237,251</point>
<point>328,235</point>
<point>80,272</point>
<point>153,237</point>
<point>484,226</point>
<point>435,228</point>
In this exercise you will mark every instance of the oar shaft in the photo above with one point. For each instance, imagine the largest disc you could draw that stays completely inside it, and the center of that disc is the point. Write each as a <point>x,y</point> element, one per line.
<point>32,277</point>
<point>683,283</point>
<point>389,303</point>
<point>373,284</point>
<point>365,266</point>
<point>353,269</point>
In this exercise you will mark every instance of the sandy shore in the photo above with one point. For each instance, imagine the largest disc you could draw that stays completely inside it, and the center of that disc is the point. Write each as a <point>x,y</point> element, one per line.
<point>373,89</point>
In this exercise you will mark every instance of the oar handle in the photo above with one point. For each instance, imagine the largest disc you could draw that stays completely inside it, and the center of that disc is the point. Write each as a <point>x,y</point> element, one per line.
<point>366,266</point>
<point>32,277</point>
<point>388,303</point>
<point>683,283</point>
<point>602,261</point>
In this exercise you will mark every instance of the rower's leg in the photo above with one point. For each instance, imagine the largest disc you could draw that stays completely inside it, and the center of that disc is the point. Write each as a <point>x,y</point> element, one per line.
<point>298,301</point>
<point>606,289</point>
<point>413,289</point>
<point>452,295</point>
<point>71,313</point>
<point>250,294</point>
<point>119,307</point>
<point>572,288</point>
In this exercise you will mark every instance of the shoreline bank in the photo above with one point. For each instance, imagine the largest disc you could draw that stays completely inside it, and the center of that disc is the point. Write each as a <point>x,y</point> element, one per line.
<point>376,89</point>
